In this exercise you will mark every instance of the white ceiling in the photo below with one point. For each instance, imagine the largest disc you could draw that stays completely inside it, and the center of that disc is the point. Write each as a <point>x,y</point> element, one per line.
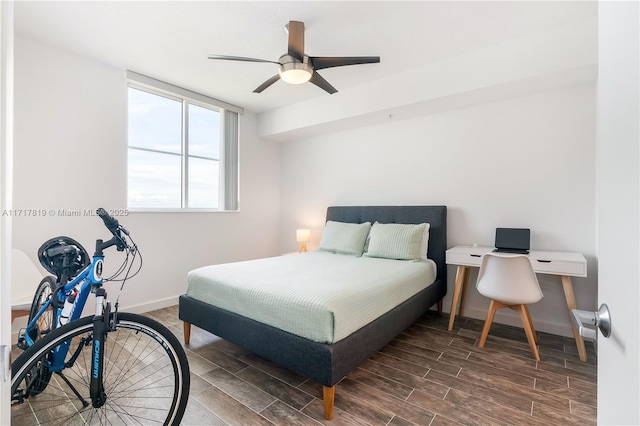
<point>170,40</point>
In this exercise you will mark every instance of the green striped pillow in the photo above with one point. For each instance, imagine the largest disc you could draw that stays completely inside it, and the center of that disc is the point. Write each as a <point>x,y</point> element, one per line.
<point>396,241</point>
<point>344,238</point>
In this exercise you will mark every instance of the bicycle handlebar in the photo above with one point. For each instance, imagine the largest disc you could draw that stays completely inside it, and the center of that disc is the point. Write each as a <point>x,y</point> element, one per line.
<point>109,221</point>
<point>114,227</point>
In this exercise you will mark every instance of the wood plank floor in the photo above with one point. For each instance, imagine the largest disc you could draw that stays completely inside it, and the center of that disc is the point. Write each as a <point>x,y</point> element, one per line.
<point>426,376</point>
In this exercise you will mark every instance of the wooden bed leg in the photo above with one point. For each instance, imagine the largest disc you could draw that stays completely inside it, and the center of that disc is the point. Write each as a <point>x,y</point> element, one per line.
<point>186,327</point>
<point>440,307</point>
<point>328,394</point>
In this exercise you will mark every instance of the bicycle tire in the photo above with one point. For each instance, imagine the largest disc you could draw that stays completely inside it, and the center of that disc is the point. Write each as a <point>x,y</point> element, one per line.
<point>40,374</point>
<point>41,296</point>
<point>145,365</point>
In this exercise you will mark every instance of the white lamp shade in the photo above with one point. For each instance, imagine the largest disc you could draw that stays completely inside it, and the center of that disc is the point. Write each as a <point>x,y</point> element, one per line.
<point>303,235</point>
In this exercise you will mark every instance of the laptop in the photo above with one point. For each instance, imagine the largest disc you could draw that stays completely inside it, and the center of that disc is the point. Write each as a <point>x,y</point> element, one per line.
<point>512,240</point>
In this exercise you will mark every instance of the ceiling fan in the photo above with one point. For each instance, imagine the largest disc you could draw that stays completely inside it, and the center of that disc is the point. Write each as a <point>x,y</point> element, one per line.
<point>296,67</point>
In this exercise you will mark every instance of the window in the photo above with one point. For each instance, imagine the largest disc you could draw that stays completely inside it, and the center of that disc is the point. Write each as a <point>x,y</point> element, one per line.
<point>182,149</point>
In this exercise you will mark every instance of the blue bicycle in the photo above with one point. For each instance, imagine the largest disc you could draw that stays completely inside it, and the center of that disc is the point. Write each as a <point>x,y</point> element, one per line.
<point>109,368</point>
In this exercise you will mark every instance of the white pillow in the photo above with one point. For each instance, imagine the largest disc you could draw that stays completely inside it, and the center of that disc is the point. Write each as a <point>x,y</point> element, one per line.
<point>344,238</point>
<point>397,241</point>
<point>424,246</point>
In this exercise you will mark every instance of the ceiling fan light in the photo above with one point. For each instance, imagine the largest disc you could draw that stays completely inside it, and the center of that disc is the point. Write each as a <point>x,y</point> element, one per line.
<point>295,73</point>
<point>296,76</point>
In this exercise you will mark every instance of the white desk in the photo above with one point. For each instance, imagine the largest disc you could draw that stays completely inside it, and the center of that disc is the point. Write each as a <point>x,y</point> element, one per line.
<point>563,264</point>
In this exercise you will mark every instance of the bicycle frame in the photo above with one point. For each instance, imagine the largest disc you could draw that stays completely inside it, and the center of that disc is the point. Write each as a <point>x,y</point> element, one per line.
<point>89,280</point>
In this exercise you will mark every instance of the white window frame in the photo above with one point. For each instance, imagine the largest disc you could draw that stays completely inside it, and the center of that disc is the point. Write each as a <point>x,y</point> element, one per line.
<point>228,189</point>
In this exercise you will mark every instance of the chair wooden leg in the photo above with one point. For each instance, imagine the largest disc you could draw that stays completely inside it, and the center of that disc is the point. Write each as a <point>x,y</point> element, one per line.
<point>535,335</point>
<point>487,323</point>
<point>440,307</point>
<point>528,329</point>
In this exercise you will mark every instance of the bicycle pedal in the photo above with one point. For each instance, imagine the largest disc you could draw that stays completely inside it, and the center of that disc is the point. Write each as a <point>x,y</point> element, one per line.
<point>22,345</point>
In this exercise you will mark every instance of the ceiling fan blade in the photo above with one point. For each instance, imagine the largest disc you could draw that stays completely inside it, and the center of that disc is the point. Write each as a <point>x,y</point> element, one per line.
<point>240,58</point>
<point>322,62</point>
<point>296,40</point>
<point>267,83</point>
<point>322,83</point>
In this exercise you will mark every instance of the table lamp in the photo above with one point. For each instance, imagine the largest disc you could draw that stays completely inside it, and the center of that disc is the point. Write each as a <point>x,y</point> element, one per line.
<point>302,236</point>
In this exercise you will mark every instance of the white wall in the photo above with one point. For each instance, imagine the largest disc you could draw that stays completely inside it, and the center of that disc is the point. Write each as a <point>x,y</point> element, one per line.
<point>524,162</point>
<point>70,153</point>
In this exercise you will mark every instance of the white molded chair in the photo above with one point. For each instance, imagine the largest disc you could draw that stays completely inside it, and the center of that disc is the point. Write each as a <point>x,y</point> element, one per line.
<point>509,281</point>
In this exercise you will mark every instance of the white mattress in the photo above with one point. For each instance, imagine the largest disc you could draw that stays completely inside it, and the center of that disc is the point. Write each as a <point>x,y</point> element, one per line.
<point>320,296</point>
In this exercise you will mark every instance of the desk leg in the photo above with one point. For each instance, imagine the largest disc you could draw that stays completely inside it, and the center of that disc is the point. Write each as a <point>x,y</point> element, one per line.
<point>460,274</point>
<point>571,304</point>
<point>465,284</point>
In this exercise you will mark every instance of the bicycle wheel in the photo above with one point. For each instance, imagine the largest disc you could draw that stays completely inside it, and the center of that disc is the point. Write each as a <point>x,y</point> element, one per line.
<point>45,323</point>
<point>39,375</point>
<point>146,376</point>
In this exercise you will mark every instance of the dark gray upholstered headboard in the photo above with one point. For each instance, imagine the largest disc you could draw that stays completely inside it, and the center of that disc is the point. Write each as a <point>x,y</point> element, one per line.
<point>436,216</point>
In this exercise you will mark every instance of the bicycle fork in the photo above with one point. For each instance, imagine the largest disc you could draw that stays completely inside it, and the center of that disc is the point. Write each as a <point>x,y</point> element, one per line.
<point>100,329</point>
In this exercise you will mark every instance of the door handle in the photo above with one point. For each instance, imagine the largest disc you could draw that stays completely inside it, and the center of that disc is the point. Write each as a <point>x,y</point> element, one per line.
<point>600,319</point>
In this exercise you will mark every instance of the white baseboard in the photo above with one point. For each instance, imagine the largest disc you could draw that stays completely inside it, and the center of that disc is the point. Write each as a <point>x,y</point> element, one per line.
<point>151,306</point>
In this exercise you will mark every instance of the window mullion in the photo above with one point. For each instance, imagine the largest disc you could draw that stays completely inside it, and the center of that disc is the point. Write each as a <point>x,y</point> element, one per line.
<point>222,186</point>
<point>157,151</point>
<point>185,154</point>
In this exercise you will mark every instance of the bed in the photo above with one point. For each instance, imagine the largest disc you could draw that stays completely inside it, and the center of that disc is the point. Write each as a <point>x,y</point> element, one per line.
<point>327,360</point>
